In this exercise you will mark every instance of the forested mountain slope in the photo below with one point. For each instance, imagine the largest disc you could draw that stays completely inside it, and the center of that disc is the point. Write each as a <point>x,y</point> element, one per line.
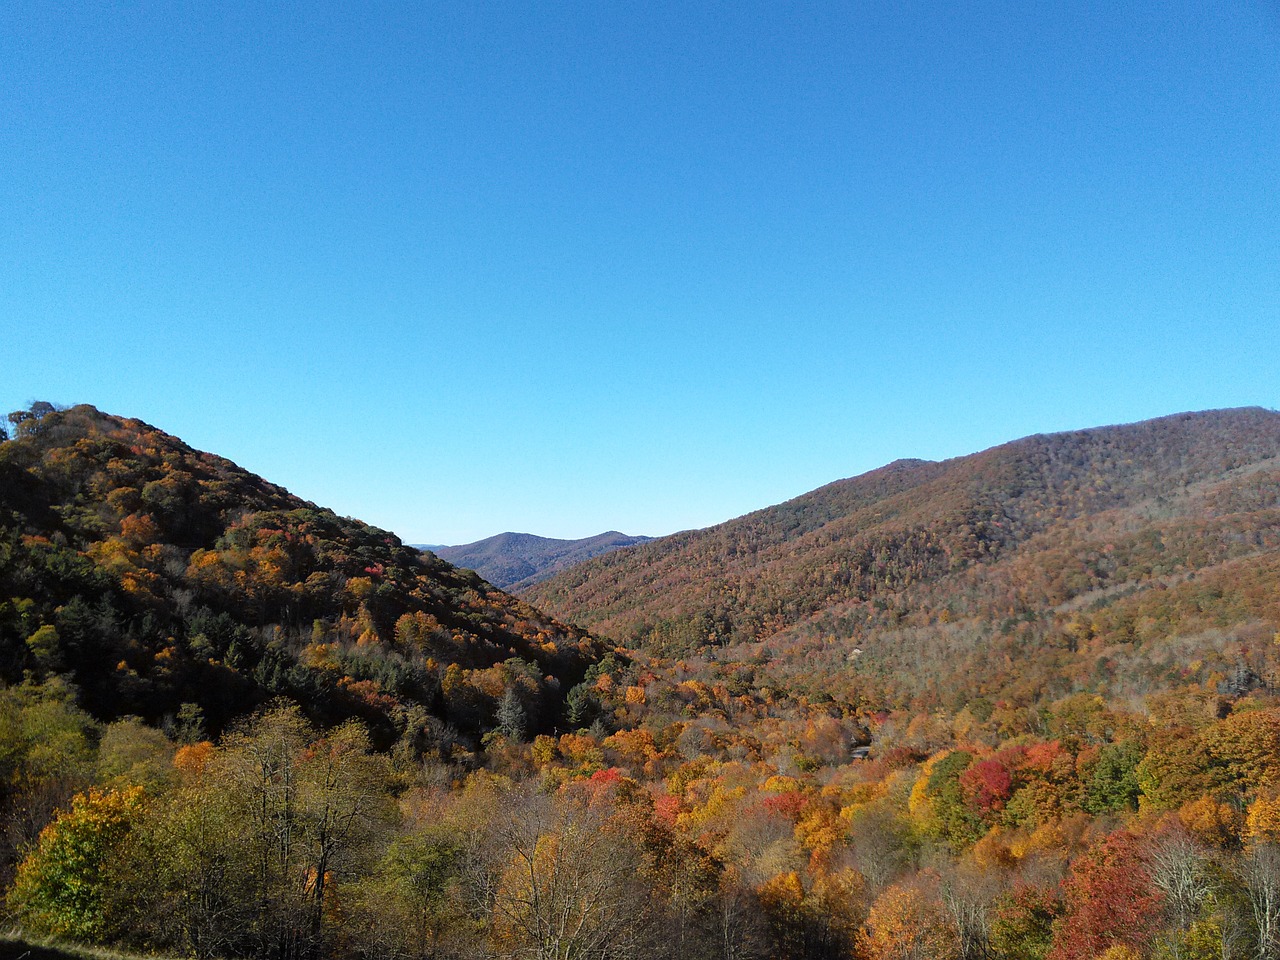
<point>516,561</point>
<point>162,581</point>
<point>1018,528</point>
<point>1015,706</point>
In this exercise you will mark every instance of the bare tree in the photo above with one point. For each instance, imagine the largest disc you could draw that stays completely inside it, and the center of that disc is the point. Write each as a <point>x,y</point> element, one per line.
<point>1260,874</point>
<point>880,851</point>
<point>571,887</point>
<point>739,929</point>
<point>967,894</point>
<point>1180,868</point>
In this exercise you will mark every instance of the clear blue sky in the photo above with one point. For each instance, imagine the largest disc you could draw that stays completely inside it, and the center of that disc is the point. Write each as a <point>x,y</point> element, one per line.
<point>459,268</point>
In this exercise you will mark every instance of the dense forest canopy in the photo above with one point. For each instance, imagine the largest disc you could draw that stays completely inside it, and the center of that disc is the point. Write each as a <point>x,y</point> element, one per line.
<point>155,578</point>
<point>1017,705</point>
<point>1029,525</point>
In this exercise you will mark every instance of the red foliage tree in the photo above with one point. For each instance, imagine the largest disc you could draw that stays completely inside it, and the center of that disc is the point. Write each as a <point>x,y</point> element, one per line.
<point>1109,899</point>
<point>987,785</point>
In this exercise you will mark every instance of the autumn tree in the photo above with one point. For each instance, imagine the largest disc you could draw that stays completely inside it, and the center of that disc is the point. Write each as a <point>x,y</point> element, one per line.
<point>202,899</point>
<point>571,884</point>
<point>907,922</point>
<point>1022,922</point>
<point>69,887</point>
<point>1109,900</point>
<point>1247,744</point>
<point>1178,768</point>
<point>46,757</point>
<point>310,803</point>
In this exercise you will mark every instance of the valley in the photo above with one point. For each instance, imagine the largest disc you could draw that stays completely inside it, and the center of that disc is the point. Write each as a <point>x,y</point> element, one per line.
<point>1018,704</point>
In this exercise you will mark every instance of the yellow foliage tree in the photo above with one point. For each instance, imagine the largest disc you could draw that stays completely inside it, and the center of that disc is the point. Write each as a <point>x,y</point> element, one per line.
<point>905,924</point>
<point>1262,824</point>
<point>1211,821</point>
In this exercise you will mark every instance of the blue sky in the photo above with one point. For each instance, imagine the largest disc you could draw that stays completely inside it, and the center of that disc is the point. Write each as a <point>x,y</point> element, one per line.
<point>458,268</point>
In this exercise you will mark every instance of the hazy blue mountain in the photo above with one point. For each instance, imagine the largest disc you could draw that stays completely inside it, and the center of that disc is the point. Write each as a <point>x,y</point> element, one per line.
<point>514,561</point>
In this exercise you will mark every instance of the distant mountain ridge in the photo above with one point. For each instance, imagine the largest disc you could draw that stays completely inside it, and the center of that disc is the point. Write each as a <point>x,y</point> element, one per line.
<point>516,561</point>
<point>1021,527</point>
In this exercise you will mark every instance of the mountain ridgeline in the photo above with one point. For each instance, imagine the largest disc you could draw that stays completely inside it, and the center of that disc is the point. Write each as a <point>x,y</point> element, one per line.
<point>161,581</point>
<point>1014,531</point>
<point>1020,705</point>
<point>516,561</point>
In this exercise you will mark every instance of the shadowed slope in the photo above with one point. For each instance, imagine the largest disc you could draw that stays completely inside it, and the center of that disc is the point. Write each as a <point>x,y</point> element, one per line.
<point>151,575</point>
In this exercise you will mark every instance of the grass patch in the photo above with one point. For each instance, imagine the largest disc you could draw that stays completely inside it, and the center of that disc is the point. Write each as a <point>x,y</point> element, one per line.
<point>13,946</point>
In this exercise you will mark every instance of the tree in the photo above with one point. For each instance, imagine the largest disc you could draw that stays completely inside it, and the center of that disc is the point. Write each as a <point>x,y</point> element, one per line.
<point>202,900</point>
<point>880,843</point>
<point>512,719</point>
<point>1248,746</point>
<point>986,785</point>
<point>1022,927</point>
<point>133,754</point>
<point>955,819</point>
<point>46,647</point>
<point>69,887</point>
<point>967,895</point>
<point>309,805</point>
<point>1113,781</point>
<point>412,905</point>
<point>46,757</point>
<point>1109,900</point>
<point>1180,869</point>
<point>343,803</point>
<point>27,423</point>
<point>1177,769</point>
<point>260,769</point>
<point>1212,822</point>
<point>738,932</point>
<point>907,923</point>
<point>571,886</point>
<point>1260,874</point>
<point>582,706</point>
<point>818,916</point>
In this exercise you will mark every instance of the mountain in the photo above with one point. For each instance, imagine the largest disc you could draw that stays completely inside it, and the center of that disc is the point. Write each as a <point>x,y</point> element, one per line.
<point>952,710</point>
<point>160,581</point>
<point>516,561</point>
<point>1014,531</point>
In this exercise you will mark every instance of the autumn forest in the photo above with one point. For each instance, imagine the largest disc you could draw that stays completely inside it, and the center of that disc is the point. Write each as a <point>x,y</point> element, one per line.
<point>1019,705</point>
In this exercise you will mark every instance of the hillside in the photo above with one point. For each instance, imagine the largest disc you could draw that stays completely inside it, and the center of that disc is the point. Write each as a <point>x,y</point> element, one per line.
<point>1015,530</point>
<point>161,581</point>
<point>516,561</point>
<point>1015,706</point>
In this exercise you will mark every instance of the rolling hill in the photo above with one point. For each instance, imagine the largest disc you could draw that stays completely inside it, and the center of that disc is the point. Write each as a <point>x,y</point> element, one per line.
<point>157,580</point>
<point>516,561</point>
<point>1017,530</point>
